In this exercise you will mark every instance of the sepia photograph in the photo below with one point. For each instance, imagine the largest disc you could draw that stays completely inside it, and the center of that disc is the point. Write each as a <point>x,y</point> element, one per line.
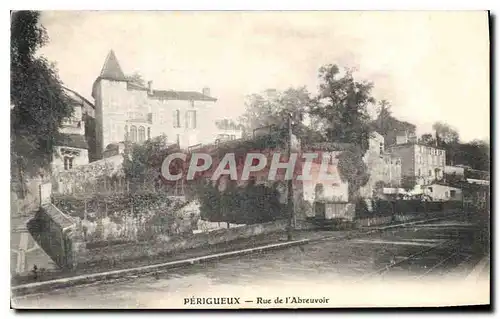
<point>250,159</point>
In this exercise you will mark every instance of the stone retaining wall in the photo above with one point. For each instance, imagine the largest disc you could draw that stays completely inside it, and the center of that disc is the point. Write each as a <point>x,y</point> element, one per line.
<point>167,245</point>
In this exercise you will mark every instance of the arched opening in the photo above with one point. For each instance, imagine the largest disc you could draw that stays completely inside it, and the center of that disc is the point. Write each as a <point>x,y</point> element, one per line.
<point>133,134</point>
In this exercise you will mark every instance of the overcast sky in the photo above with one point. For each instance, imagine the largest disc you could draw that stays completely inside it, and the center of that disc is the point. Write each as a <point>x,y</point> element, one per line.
<point>432,66</point>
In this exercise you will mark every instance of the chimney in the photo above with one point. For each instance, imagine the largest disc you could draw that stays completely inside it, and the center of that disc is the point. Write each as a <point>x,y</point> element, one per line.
<point>150,87</point>
<point>206,91</point>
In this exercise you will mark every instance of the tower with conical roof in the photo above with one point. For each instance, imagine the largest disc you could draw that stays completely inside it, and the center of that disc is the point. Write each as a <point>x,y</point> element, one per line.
<point>108,91</point>
<point>111,69</point>
<point>127,110</point>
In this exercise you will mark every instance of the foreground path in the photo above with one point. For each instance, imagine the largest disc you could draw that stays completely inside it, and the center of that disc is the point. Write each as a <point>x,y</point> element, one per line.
<point>372,270</point>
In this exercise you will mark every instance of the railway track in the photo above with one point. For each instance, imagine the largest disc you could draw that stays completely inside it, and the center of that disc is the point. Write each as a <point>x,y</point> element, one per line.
<point>438,267</point>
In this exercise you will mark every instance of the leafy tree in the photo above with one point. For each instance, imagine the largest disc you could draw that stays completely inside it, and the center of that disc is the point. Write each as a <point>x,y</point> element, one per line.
<point>142,162</point>
<point>272,109</point>
<point>136,78</point>
<point>389,126</point>
<point>427,139</point>
<point>353,169</point>
<point>445,133</point>
<point>240,205</point>
<point>38,102</point>
<point>384,117</point>
<point>344,106</point>
<point>227,124</point>
<point>475,154</point>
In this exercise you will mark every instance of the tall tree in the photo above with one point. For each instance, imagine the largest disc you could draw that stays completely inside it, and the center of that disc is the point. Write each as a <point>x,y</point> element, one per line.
<point>475,154</point>
<point>270,106</point>
<point>446,133</point>
<point>344,106</point>
<point>38,102</point>
<point>427,139</point>
<point>447,138</point>
<point>273,107</point>
<point>384,117</point>
<point>353,170</point>
<point>142,162</point>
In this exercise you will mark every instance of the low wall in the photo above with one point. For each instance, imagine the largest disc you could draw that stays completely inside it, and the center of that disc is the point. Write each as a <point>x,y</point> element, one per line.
<point>99,176</point>
<point>54,232</point>
<point>399,218</point>
<point>383,208</point>
<point>167,245</point>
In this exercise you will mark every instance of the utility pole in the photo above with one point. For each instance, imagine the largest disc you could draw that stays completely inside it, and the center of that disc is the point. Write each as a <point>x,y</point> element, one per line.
<point>290,205</point>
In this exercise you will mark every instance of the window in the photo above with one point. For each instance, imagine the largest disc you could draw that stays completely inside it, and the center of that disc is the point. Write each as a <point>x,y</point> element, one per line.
<point>446,195</point>
<point>142,134</point>
<point>191,119</point>
<point>149,133</point>
<point>381,148</point>
<point>126,133</point>
<point>430,189</point>
<point>430,172</point>
<point>191,103</point>
<point>453,193</point>
<point>419,172</point>
<point>177,118</point>
<point>133,134</point>
<point>68,162</point>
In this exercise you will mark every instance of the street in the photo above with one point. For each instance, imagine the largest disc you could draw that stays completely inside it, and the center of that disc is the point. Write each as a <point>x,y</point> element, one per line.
<point>427,264</point>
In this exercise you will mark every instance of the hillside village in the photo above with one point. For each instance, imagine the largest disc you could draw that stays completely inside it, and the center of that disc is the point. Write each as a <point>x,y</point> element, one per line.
<point>125,112</point>
<point>136,178</point>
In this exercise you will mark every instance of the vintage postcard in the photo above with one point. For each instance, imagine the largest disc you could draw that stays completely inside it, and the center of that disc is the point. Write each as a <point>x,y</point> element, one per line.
<point>249,160</point>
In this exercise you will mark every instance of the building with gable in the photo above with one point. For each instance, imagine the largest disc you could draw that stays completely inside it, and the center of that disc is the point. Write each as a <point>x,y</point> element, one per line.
<point>129,111</point>
<point>75,145</point>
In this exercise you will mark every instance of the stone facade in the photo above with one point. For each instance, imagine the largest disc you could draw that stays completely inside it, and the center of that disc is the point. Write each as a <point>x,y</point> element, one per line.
<point>96,176</point>
<point>383,167</point>
<point>75,138</point>
<point>133,112</point>
<point>443,192</point>
<point>422,163</point>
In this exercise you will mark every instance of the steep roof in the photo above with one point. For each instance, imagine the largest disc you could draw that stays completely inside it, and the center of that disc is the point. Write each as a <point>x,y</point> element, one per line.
<point>78,95</point>
<point>111,69</point>
<point>182,95</point>
<point>172,95</point>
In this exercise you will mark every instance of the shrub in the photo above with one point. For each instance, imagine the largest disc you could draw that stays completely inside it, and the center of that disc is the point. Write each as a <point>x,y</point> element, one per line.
<point>240,205</point>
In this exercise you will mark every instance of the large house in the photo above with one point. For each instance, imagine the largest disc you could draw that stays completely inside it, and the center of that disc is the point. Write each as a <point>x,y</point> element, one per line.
<point>420,164</point>
<point>384,167</point>
<point>75,144</point>
<point>129,111</point>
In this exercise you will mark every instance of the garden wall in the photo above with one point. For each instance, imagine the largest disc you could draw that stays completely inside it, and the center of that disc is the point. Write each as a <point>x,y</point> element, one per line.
<point>167,245</point>
<point>55,233</point>
<point>382,208</point>
<point>99,176</point>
